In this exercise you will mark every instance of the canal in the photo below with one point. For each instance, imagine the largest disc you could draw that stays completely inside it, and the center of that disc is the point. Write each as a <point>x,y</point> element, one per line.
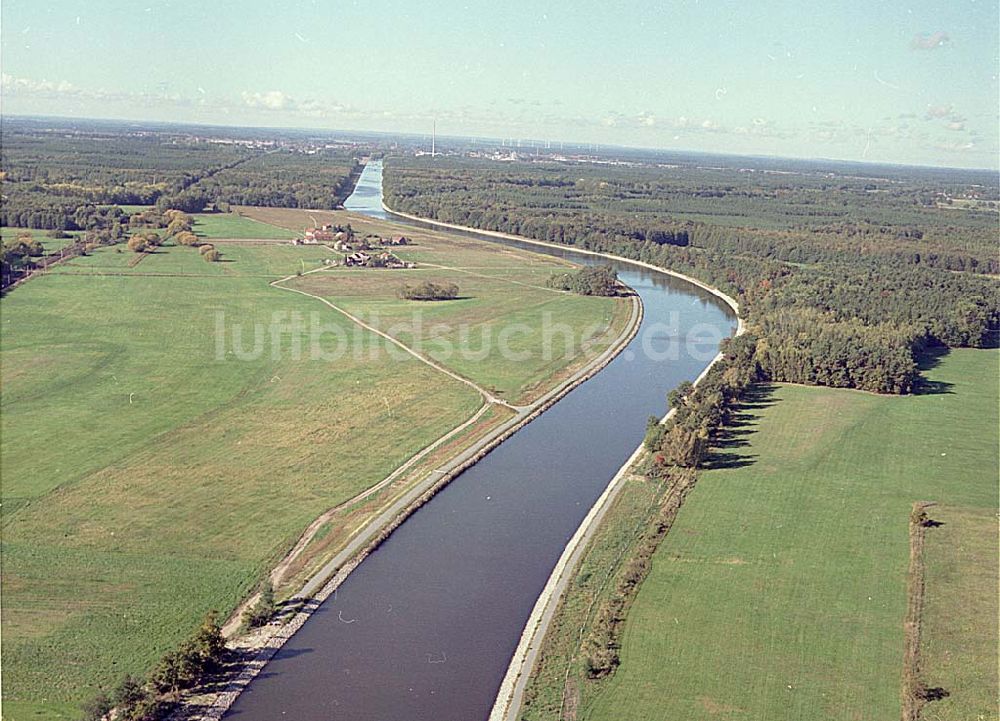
<point>424,628</point>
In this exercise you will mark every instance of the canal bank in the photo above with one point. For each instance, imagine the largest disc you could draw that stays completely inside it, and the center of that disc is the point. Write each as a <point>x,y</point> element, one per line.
<point>427,626</point>
<point>510,696</point>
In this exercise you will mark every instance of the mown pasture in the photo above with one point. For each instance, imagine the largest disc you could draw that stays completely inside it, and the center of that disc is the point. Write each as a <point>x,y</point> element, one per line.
<point>154,468</point>
<point>781,589</point>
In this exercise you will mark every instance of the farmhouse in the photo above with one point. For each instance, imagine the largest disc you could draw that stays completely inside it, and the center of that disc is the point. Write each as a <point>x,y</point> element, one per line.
<point>388,260</point>
<point>398,240</point>
<point>343,246</point>
<point>318,235</point>
<point>357,259</point>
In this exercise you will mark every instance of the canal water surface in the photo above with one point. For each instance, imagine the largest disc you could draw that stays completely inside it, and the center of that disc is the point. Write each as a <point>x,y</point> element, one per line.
<point>424,628</point>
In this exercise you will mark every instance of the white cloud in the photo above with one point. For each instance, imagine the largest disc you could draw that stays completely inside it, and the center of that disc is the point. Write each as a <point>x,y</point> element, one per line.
<point>15,86</point>
<point>269,100</point>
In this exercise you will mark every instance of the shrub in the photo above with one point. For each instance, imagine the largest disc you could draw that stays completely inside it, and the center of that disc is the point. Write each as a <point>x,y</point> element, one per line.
<point>137,244</point>
<point>206,247</point>
<point>212,256</point>
<point>262,611</point>
<point>429,290</point>
<point>591,280</point>
<point>97,708</point>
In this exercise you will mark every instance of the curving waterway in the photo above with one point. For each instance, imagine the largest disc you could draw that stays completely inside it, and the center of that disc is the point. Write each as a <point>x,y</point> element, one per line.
<point>424,628</point>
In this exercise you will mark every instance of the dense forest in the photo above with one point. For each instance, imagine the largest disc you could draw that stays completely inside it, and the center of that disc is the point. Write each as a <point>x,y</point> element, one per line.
<point>54,180</point>
<point>70,179</point>
<point>321,180</point>
<point>843,280</point>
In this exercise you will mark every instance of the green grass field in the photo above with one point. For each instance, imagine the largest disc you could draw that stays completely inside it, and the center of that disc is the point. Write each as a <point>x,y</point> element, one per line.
<point>148,479</point>
<point>494,334</point>
<point>780,591</point>
<point>265,261</point>
<point>229,225</point>
<point>959,649</point>
<point>501,291</point>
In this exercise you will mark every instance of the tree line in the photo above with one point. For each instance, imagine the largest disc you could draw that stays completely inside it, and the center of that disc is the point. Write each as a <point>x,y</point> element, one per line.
<point>51,181</point>
<point>675,449</point>
<point>828,309</point>
<point>155,697</point>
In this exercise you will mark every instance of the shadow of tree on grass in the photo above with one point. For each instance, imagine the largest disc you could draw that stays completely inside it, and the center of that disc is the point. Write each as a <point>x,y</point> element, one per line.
<point>734,435</point>
<point>928,359</point>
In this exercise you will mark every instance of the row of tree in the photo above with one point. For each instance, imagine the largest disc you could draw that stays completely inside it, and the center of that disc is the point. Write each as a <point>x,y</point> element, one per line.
<point>675,448</point>
<point>154,698</point>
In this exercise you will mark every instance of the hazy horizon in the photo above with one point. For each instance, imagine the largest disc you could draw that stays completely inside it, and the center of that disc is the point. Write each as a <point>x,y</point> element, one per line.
<point>910,86</point>
<point>526,146</point>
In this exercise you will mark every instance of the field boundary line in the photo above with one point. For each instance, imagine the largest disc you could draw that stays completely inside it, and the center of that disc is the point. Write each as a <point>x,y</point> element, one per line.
<point>493,277</point>
<point>913,694</point>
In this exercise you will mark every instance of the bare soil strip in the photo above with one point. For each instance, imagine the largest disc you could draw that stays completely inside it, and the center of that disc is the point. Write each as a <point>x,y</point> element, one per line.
<point>134,261</point>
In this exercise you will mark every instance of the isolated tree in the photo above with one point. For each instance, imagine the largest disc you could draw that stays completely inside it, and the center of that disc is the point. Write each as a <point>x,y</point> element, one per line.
<point>175,671</point>
<point>137,244</point>
<point>212,256</point>
<point>429,290</point>
<point>186,238</point>
<point>208,643</point>
<point>205,248</point>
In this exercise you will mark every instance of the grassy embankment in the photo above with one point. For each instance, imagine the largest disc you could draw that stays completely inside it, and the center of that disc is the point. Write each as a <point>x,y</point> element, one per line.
<point>781,590</point>
<point>145,482</point>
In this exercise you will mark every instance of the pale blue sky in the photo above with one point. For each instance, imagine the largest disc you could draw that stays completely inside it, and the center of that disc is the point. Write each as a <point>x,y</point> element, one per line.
<point>897,82</point>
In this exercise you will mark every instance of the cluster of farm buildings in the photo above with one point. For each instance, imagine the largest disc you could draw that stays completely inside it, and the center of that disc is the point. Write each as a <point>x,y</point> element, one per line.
<point>342,239</point>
